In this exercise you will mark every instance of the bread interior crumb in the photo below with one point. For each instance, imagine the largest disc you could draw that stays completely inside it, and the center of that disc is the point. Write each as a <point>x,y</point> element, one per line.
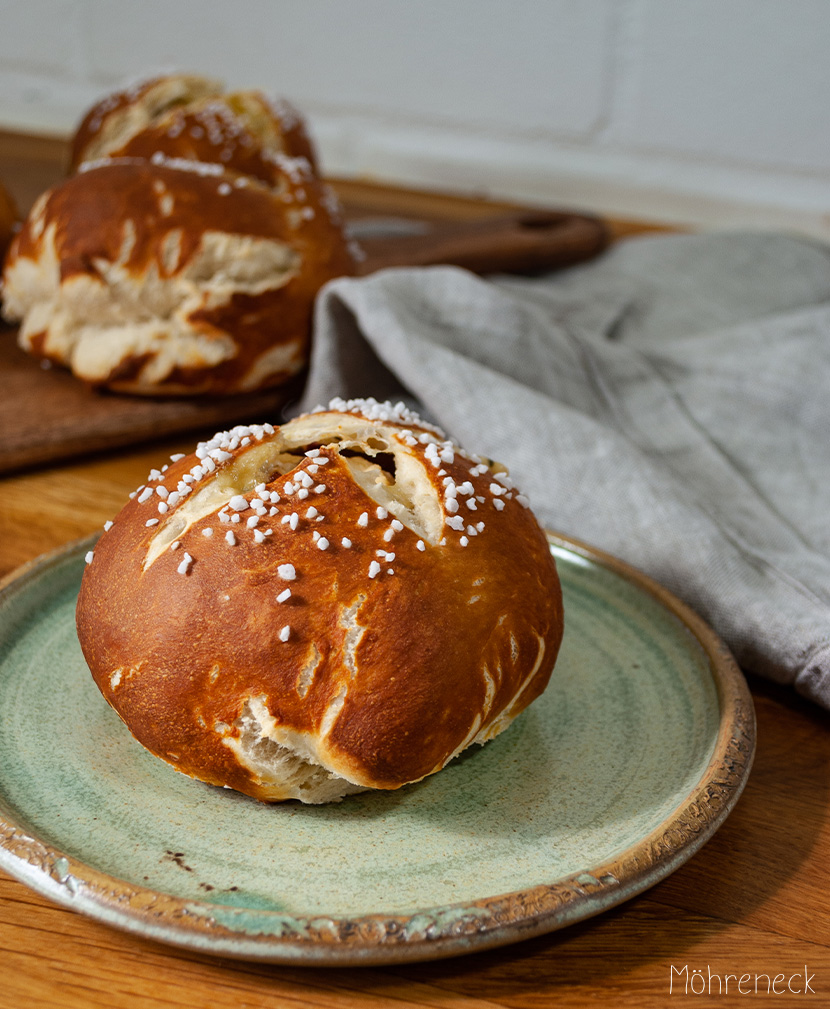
<point>280,772</point>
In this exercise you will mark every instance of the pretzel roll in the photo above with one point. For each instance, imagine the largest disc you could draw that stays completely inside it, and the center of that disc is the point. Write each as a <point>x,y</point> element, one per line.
<point>190,117</point>
<point>169,277</point>
<point>8,220</point>
<point>341,603</point>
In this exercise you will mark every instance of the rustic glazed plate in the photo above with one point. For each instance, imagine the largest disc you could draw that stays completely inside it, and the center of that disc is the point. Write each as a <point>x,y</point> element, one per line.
<point>618,774</point>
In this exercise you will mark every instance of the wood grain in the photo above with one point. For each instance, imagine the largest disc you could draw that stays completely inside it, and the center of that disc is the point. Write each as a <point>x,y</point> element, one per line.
<point>48,415</point>
<point>755,899</point>
<point>524,241</point>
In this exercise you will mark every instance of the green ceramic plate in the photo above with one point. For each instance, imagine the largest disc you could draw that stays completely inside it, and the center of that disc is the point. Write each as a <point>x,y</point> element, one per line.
<point>618,774</point>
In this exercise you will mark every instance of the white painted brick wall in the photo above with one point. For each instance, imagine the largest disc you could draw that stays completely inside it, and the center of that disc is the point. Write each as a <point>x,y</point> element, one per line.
<point>715,112</point>
<point>743,80</point>
<point>41,37</point>
<point>486,63</point>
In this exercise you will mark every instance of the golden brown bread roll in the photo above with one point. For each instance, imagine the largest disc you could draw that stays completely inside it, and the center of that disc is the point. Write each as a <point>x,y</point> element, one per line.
<point>170,277</point>
<point>344,602</point>
<point>191,117</point>
<point>8,220</point>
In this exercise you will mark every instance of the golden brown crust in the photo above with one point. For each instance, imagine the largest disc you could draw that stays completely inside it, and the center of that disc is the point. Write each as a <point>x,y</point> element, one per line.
<point>405,643</point>
<point>172,277</point>
<point>191,117</point>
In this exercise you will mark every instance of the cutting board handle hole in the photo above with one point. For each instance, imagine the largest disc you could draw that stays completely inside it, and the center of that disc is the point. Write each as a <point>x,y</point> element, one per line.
<point>537,221</point>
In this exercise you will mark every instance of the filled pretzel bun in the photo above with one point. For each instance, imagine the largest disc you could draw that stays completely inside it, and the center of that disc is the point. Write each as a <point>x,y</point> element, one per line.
<point>168,277</point>
<point>341,603</point>
<point>8,220</point>
<point>191,117</point>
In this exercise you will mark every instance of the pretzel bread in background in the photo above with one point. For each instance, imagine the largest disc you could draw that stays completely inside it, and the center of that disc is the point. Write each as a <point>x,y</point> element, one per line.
<point>192,117</point>
<point>166,277</point>
<point>341,603</point>
<point>8,220</point>
<point>183,256</point>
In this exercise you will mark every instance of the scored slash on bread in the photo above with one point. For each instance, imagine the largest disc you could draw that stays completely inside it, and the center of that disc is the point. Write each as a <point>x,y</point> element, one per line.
<point>344,602</point>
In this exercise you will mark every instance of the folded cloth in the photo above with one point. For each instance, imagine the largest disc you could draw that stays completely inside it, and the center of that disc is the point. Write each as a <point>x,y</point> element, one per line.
<point>668,403</point>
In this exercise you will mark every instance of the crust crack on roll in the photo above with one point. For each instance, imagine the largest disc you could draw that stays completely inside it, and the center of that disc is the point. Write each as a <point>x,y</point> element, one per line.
<point>344,602</point>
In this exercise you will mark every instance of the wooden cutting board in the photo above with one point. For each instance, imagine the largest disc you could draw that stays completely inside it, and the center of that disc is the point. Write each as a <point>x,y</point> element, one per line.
<point>47,415</point>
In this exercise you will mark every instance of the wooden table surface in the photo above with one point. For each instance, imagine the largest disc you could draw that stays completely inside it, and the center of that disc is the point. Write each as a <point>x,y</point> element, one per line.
<point>755,900</point>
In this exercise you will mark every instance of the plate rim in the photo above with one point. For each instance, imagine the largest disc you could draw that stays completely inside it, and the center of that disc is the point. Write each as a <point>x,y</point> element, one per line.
<point>433,933</point>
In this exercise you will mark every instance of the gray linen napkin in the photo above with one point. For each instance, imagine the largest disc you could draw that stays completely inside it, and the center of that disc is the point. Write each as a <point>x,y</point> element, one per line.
<point>668,403</point>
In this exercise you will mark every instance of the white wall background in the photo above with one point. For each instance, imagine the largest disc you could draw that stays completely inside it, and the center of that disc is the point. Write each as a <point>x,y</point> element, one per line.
<point>712,112</point>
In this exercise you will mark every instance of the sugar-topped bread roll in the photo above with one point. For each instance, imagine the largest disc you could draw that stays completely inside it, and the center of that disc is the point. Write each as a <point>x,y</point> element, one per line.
<point>192,117</point>
<point>168,277</point>
<point>340,603</point>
